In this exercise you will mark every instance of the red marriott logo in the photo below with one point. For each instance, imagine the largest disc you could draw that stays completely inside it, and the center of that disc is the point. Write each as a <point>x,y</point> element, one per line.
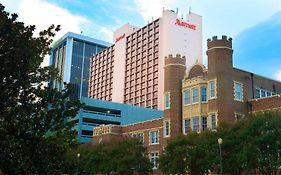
<point>119,38</point>
<point>185,24</point>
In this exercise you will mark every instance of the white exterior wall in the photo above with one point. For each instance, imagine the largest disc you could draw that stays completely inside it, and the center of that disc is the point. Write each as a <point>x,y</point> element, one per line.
<point>119,61</point>
<point>175,39</point>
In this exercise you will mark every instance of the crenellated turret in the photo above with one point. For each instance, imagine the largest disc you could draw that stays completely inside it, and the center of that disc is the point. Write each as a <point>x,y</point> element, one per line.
<point>215,42</point>
<point>219,55</point>
<point>174,71</point>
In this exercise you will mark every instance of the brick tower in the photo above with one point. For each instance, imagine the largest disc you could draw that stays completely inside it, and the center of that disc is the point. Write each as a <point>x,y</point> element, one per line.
<point>174,71</point>
<point>220,71</point>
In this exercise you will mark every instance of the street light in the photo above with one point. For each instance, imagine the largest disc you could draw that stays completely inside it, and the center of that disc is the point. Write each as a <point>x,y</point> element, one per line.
<point>220,141</point>
<point>78,156</point>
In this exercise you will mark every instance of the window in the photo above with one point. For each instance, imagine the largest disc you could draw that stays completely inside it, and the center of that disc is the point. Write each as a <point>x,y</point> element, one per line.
<point>238,116</point>
<point>154,137</point>
<point>167,100</point>
<point>204,123</point>
<point>139,136</point>
<point>263,93</point>
<point>195,124</point>
<point>154,160</point>
<point>238,91</point>
<point>167,128</point>
<point>186,97</point>
<point>194,95</point>
<point>258,93</point>
<point>212,89</point>
<point>186,126</point>
<point>213,121</point>
<point>203,94</point>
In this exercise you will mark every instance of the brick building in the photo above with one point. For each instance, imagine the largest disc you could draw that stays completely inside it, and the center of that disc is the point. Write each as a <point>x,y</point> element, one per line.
<point>200,99</point>
<point>221,92</point>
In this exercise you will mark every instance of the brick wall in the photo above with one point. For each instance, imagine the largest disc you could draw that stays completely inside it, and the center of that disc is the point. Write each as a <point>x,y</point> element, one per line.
<point>266,104</point>
<point>174,72</point>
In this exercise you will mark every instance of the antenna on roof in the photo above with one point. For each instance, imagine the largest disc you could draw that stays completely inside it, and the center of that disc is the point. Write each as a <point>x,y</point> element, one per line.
<point>81,32</point>
<point>189,9</point>
<point>181,16</point>
<point>177,10</point>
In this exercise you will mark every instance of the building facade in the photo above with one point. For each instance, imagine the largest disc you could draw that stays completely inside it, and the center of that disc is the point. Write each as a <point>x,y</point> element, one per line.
<point>132,70</point>
<point>221,92</point>
<point>102,113</point>
<point>71,56</point>
<point>200,99</point>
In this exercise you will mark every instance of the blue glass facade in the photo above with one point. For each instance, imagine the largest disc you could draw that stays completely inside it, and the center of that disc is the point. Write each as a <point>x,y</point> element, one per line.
<point>97,112</point>
<point>71,56</point>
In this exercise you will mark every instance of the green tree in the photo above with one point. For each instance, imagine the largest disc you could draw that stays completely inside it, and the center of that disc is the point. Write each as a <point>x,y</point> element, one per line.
<point>263,137</point>
<point>128,156</point>
<point>194,154</point>
<point>175,158</point>
<point>234,154</point>
<point>252,144</point>
<point>33,129</point>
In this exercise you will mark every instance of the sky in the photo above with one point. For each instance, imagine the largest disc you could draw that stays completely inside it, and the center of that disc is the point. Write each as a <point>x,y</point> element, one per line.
<point>254,25</point>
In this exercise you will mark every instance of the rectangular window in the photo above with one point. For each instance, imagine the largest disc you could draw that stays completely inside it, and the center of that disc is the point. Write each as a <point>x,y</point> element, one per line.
<point>154,137</point>
<point>166,128</point>
<point>238,91</point>
<point>194,95</point>
<point>186,97</point>
<point>186,126</point>
<point>212,88</point>
<point>203,94</point>
<point>167,100</point>
<point>195,124</point>
<point>139,136</point>
<point>263,94</point>
<point>213,122</point>
<point>154,160</point>
<point>204,123</point>
<point>258,93</point>
<point>238,116</point>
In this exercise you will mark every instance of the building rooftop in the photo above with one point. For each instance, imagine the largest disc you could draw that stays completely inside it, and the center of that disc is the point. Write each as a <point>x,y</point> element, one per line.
<point>80,37</point>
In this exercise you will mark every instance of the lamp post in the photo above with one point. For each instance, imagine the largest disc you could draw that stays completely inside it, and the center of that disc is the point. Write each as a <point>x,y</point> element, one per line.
<point>78,156</point>
<point>220,141</point>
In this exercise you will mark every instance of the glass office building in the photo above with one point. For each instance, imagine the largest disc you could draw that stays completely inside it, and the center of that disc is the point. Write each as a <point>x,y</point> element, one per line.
<point>102,112</point>
<point>71,56</point>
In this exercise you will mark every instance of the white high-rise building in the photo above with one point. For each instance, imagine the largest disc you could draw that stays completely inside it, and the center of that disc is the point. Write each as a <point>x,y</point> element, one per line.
<point>132,70</point>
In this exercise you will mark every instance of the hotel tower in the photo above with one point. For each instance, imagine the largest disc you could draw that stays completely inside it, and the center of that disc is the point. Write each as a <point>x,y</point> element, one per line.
<point>131,71</point>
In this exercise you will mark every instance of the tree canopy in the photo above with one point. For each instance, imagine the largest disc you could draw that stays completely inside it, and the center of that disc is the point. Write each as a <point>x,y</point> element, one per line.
<point>33,129</point>
<point>250,146</point>
<point>127,156</point>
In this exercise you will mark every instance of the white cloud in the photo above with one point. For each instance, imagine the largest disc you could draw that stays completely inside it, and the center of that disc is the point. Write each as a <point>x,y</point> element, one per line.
<point>219,17</point>
<point>108,34</point>
<point>149,9</point>
<point>42,14</point>
<point>278,75</point>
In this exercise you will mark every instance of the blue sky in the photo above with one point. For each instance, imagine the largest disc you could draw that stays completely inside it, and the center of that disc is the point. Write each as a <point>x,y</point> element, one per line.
<point>254,25</point>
